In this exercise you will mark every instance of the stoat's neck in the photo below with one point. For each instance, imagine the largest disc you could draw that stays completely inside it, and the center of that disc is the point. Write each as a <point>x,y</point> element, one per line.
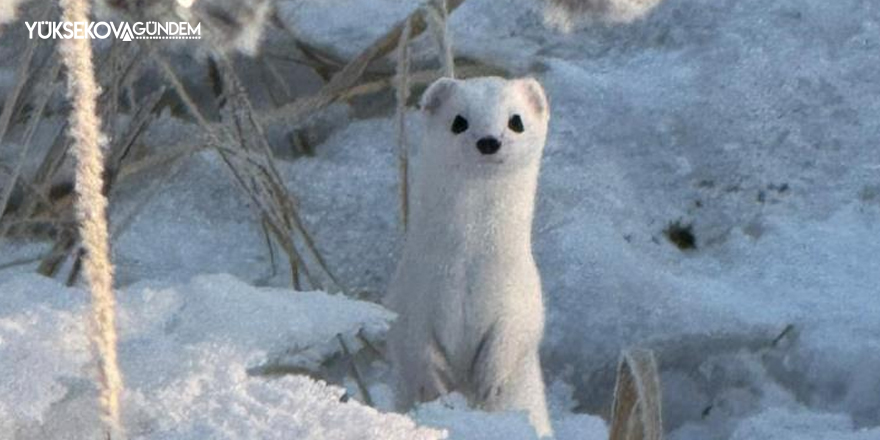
<point>481,213</point>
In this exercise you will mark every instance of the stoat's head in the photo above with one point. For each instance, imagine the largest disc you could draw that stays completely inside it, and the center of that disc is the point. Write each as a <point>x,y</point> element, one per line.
<point>485,124</point>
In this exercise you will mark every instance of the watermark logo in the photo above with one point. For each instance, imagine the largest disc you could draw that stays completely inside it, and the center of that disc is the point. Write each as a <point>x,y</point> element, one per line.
<point>100,30</point>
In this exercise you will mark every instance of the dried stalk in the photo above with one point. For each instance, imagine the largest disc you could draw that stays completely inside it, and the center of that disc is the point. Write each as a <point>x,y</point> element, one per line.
<point>438,16</point>
<point>145,114</point>
<point>402,86</point>
<point>45,89</point>
<point>119,149</point>
<point>251,136</point>
<point>253,169</point>
<point>19,262</point>
<point>636,412</point>
<point>9,105</point>
<point>269,70</point>
<point>21,78</point>
<point>158,160</point>
<point>365,393</point>
<point>92,211</point>
<point>116,67</point>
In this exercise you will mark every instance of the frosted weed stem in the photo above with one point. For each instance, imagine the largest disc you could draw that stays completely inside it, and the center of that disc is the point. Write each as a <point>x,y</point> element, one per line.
<point>91,211</point>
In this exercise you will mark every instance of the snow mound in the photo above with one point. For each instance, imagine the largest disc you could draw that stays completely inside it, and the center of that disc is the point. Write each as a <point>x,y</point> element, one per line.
<point>257,325</point>
<point>219,401</point>
<point>187,352</point>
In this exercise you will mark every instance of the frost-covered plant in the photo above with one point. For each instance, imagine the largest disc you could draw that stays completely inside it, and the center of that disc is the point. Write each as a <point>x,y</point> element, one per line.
<point>232,25</point>
<point>437,14</point>
<point>9,10</point>
<point>568,14</point>
<point>227,25</point>
<point>91,207</point>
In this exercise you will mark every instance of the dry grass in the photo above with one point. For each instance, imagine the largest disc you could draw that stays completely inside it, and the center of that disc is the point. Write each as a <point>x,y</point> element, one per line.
<point>353,71</point>
<point>9,107</point>
<point>238,138</point>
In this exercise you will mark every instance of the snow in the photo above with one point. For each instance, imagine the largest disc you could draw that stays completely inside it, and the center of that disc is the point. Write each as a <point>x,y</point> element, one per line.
<point>753,122</point>
<point>355,24</point>
<point>782,424</point>
<point>451,412</point>
<point>182,230</point>
<point>186,351</point>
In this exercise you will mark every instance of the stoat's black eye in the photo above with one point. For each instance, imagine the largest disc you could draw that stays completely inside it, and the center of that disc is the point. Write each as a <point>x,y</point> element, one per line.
<point>459,125</point>
<point>515,124</point>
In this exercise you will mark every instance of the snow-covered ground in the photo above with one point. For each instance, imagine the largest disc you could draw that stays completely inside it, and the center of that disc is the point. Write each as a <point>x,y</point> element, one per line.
<point>185,351</point>
<point>751,125</point>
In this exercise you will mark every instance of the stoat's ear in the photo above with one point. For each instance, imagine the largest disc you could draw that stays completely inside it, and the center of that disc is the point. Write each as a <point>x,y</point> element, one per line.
<point>535,95</point>
<point>436,94</point>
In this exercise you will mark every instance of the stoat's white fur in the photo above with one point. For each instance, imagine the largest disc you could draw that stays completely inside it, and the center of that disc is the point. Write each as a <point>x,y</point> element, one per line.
<point>467,291</point>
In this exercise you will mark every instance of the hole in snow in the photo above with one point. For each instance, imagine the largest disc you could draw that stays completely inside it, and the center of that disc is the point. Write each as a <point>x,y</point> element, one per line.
<point>681,235</point>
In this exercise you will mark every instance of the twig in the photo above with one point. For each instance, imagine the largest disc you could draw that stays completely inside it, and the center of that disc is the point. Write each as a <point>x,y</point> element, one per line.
<point>116,67</point>
<point>271,248</point>
<point>402,95</point>
<point>19,262</point>
<point>253,171</point>
<point>144,115</point>
<point>269,67</point>
<point>369,345</point>
<point>250,132</point>
<point>355,372</point>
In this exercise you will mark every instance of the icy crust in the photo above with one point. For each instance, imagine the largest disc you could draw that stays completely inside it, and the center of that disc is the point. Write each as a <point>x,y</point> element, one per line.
<point>185,352</point>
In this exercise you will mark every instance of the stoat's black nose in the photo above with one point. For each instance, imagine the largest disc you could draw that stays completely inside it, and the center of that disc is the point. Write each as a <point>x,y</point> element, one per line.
<point>488,145</point>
